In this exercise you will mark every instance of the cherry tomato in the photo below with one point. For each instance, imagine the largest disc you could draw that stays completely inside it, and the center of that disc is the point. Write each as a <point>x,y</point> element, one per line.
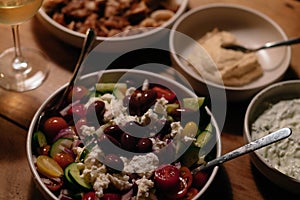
<point>199,179</point>
<point>164,92</point>
<point>48,167</point>
<point>111,196</point>
<point>77,93</point>
<point>44,150</point>
<point>180,192</point>
<point>191,193</point>
<point>166,177</point>
<point>186,174</point>
<point>53,184</point>
<point>77,110</point>
<point>89,196</point>
<point>63,159</point>
<point>53,125</point>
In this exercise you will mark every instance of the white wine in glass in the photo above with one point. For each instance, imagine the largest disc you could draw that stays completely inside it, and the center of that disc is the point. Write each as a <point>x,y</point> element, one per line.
<point>21,69</point>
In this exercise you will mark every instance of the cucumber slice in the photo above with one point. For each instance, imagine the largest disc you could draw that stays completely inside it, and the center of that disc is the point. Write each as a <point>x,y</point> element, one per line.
<point>66,173</point>
<point>39,139</point>
<point>204,136</point>
<point>110,87</point>
<point>83,155</point>
<point>72,174</point>
<point>193,103</point>
<point>190,157</point>
<point>171,107</point>
<point>60,145</point>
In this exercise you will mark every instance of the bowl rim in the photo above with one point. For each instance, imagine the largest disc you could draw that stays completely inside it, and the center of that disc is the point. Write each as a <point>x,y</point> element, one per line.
<point>181,9</point>
<point>247,132</point>
<point>30,159</point>
<point>243,8</point>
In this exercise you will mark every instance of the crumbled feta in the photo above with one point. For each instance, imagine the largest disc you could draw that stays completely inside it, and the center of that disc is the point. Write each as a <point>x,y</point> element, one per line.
<point>148,116</point>
<point>120,181</point>
<point>144,185</point>
<point>86,131</point>
<point>107,97</point>
<point>120,113</point>
<point>144,165</point>
<point>160,106</point>
<point>176,128</point>
<point>157,144</point>
<point>101,183</point>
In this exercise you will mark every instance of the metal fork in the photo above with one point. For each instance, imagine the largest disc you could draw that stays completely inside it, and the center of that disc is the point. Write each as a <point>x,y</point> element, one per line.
<point>265,46</point>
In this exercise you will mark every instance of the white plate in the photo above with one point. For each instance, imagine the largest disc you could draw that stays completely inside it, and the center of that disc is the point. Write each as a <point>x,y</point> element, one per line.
<point>250,27</point>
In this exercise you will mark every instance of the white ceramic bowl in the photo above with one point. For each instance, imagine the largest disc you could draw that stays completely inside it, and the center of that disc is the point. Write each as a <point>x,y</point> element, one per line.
<point>111,76</point>
<point>250,27</point>
<point>285,90</point>
<point>76,39</point>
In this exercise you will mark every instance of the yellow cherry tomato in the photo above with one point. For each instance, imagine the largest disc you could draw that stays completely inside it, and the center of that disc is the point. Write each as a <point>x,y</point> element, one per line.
<point>190,129</point>
<point>48,167</point>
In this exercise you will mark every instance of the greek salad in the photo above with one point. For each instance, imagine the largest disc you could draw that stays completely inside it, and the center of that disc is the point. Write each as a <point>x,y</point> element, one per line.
<point>117,141</point>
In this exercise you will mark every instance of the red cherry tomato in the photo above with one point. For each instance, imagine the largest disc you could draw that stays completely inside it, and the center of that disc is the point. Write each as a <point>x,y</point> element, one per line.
<point>77,93</point>
<point>164,92</point>
<point>63,159</point>
<point>53,125</point>
<point>111,196</point>
<point>180,192</point>
<point>186,174</point>
<point>191,193</point>
<point>166,177</point>
<point>89,196</point>
<point>44,150</point>
<point>199,179</point>
<point>78,110</point>
<point>53,184</point>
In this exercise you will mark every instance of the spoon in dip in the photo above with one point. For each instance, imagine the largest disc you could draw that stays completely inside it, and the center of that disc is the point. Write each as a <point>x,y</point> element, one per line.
<point>265,46</point>
<point>252,146</point>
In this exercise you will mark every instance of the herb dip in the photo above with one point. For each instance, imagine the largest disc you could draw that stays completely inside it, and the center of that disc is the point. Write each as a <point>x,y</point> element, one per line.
<point>285,154</point>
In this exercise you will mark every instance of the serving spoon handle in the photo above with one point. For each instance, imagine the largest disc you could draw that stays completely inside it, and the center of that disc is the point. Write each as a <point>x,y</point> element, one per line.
<point>265,46</point>
<point>87,45</point>
<point>281,43</point>
<point>252,146</point>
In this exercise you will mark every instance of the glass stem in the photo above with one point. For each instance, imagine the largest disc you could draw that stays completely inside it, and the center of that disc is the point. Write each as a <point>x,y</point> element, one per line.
<point>18,63</point>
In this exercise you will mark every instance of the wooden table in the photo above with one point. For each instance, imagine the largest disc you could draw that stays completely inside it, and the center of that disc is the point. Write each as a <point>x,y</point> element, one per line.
<point>237,179</point>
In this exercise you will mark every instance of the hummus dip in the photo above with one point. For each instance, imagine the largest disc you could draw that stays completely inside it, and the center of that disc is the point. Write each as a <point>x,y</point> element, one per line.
<point>285,154</point>
<point>233,68</point>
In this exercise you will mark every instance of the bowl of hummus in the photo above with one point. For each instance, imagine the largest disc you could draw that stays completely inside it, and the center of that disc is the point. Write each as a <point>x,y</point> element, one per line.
<point>196,45</point>
<point>274,107</point>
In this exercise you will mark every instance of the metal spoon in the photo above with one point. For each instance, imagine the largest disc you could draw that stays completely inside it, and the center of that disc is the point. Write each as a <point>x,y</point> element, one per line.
<point>252,146</point>
<point>87,45</point>
<point>265,46</point>
<point>57,104</point>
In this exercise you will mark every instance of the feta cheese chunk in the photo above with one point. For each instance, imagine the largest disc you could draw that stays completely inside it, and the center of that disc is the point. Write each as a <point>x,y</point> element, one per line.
<point>144,165</point>
<point>144,185</point>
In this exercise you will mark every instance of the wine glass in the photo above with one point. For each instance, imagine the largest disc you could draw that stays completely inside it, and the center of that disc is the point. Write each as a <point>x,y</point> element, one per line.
<point>21,69</point>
